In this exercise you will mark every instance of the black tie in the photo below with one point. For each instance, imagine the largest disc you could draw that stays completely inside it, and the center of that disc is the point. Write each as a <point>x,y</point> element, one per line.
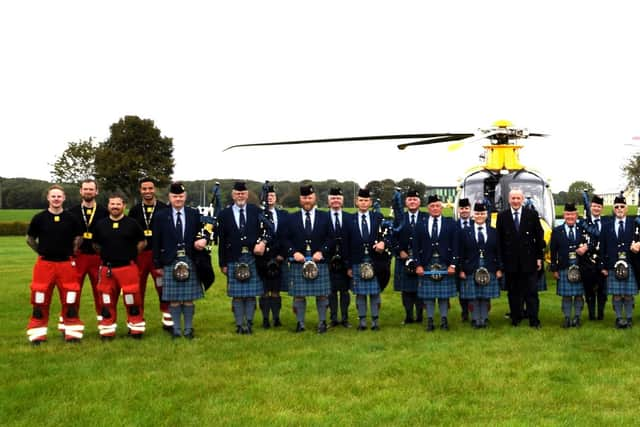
<point>465,224</point>
<point>243,220</point>
<point>620,231</point>
<point>413,220</point>
<point>516,221</point>
<point>597,221</point>
<point>365,229</point>
<point>480,237</point>
<point>179,227</point>
<point>337,225</point>
<point>307,223</point>
<point>572,236</point>
<point>434,229</point>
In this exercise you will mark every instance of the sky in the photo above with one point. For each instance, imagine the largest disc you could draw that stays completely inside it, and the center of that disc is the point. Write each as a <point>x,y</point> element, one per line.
<point>217,73</point>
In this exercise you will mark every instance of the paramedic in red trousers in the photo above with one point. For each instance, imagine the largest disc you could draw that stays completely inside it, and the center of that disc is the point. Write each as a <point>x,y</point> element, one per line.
<point>145,213</point>
<point>119,239</point>
<point>54,234</point>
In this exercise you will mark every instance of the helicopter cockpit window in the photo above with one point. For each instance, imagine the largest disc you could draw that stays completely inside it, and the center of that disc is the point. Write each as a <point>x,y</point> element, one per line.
<point>533,187</point>
<point>474,187</point>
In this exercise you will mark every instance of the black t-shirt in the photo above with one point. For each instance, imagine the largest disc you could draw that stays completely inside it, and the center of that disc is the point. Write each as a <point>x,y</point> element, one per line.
<point>118,240</point>
<point>88,218</point>
<point>55,234</point>
<point>144,216</point>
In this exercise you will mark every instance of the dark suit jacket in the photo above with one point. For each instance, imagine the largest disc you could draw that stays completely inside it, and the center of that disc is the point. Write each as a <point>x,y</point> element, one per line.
<point>355,253</point>
<point>469,250</point>
<point>609,242</point>
<point>447,243</point>
<point>340,239</point>
<point>405,238</point>
<point>559,248</point>
<point>321,237</point>
<point>520,250</point>
<point>230,246</point>
<point>277,245</point>
<point>165,236</point>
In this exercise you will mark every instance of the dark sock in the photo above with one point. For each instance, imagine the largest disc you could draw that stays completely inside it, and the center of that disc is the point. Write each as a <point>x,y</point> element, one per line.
<point>188,312</point>
<point>375,301</point>
<point>175,311</point>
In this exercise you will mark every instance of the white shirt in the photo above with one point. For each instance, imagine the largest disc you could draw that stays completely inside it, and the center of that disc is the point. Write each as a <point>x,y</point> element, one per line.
<point>312,215</point>
<point>484,231</point>
<point>236,213</point>
<point>183,218</point>
<point>431,225</point>
<point>333,218</point>
<point>368,221</point>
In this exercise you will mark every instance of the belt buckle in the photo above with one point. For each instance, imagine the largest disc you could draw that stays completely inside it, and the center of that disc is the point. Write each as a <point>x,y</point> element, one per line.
<point>181,253</point>
<point>244,250</point>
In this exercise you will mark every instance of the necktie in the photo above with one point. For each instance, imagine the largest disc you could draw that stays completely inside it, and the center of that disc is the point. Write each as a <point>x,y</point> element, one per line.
<point>337,224</point>
<point>516,220</point>
<point>480,237</point>
<point>620,231</point>
<point>597,221</point>
<point>572,236</point>
<point>243,220</point>
<point>307,222</point>
<point>465,224</point>
<point>434,229</point>
<point>413,220</point>
<point>365,228</point>
<point>179,227</point>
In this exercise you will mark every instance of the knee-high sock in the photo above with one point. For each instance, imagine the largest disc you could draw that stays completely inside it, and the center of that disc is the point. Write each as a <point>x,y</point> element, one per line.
<point>300,308</point>
<point>188,312</point>
<point>628,306</point>
<point>321,305</point>
<point>333,305</point>
<point>238,311</point>
<point>249,309</point>
<point>345,300</point>
<point>483,308</point>
<point>578,303</point>
<point>176,311</point>
<point>476,313</point>
<point>431,307</point>
<point>566,306</point>
<point>361,304</point>
<point>617,306</point>
<point>375,301</point>
<point>443,305</point>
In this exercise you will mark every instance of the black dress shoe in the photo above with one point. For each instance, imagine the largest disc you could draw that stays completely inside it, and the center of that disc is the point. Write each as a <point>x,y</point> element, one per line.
<point>189,334</point>
<point>535,325</point>
<point>239,330</point>
<point>444,324</point>
<point>322,327</point>
<point>408,320</point>
<point>620,324</point>
<point>346,324</point>
<point>175,335</point>
<point>629,322</point>
<point>375,326</point>
<point>362,326</point>
<point>299,327</point>
<point>136,336</point>
<point>566,323</point>
<point>334,323</point>
<point>576,322</point>
<point>277,322</point>
<point>430,326</point>
<point>266,324</point>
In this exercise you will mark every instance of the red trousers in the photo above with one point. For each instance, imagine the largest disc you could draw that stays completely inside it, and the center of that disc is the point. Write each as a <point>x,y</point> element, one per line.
<point>87,265</point>
<point>146,267</point>
<point>46,276</point>
<point>110,284</point>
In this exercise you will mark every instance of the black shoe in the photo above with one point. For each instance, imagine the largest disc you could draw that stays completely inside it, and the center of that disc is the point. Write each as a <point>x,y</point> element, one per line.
<point>430,327</point>
<point>168,329</point>
<point>535,324</point>
<point>345,324</point>
<point>482,325</point>
<point>444,324</point>
<point>419,318</point>
<point>566,323</point>
<point>363,325</point>
<point>334,323</point>
<point>299,327</point>
<point>189,334</point>
<point>266,324</point>
<point>322,327</point>
<point>620,324</point>
<point>408,320</point>
<point>249,328</point>
<point>475,325</point>
<point>629,322</point>
<point>239,330</point>
<point>375,326</point>
<point>576,322</point>
<point>277,322</point>
<point>36,343</point>
<point>136,336</point>
<point>175,335</point>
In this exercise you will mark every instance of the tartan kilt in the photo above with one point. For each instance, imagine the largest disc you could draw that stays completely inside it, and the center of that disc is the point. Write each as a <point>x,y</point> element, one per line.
<point>428,289</point>
<point>301,287</point>
<point>402,282</point>
<point>622,287</point>
<point>249,288</point>
<point>189,290</point>
<point>363,287</point>
<point>469,289</point>
<point>564,288</point>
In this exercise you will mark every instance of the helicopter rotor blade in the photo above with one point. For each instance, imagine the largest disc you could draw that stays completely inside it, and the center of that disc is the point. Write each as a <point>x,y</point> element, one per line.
<point>347,139</point>
<point>443,138</point>
<point>543,135</point>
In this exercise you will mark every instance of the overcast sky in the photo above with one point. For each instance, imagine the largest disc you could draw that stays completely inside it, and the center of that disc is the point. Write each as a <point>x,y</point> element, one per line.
<point>213,74</point>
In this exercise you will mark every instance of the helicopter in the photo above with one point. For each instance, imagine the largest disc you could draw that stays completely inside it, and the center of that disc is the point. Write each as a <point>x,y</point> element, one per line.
<point>489,182</point>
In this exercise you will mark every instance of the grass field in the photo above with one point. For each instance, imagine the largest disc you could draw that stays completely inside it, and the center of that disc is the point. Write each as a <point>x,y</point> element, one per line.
<point>398,376</point>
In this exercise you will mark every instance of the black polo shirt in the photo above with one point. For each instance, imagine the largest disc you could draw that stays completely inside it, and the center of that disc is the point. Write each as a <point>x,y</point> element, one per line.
<point>144,216</point>
<point>55,234</point>
<point>118,240</point>
<point>88,218</point>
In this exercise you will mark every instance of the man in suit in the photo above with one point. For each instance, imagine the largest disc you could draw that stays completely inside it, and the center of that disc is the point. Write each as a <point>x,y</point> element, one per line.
<point>175,243</point>
<point>338,259</point>
<point>567,249</point>
<point>405,279</point>
<point>464,222</point>
<point>521,245</point>
<point>271,265</point>
<point>619,245</point>
<point>144,213</point>
<point>478,248</point>
<point>595,289</point>
<point>241,239</point>
<point>309,243</point>
<point>437,246</point>
<point>363,244</point>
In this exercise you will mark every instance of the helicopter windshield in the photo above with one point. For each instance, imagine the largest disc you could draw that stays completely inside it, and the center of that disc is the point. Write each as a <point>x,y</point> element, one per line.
<point>480,188</point>
<point>536,193</point>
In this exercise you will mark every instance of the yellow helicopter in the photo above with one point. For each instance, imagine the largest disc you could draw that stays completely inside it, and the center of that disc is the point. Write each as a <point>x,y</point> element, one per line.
<point>490,182</point>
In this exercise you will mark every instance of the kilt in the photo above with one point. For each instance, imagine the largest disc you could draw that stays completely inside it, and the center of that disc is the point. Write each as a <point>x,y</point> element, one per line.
<point>250,288</point>
<point>428,289</point>
<point>189,290</point>
<point>301,287</point>
<point>469,289</point>
<point>565,288</point>
<point>622,287</point>
<point>402,282</point>
<point>363,287</point>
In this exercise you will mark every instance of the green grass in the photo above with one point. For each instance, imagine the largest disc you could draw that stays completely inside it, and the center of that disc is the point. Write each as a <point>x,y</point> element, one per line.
<point>398,376</point>
<point>18,214</point>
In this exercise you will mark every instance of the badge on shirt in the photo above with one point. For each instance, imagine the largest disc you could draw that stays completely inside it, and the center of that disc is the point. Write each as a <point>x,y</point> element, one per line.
<point>149,209</point>
<point>148,233</point>
<point>89,211</point>
<point>56,218</point>
<point>116,225</point>
<point>87,235</point>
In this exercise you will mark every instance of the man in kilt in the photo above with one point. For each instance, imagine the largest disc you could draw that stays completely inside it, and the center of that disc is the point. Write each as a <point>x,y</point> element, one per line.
<point>464,222</point>
<point>119,239</point>
<point>595,289</point>
<point>478,248</point>
<point>361,236</point>
<point>144,213</point>
<point>309,243</point>
<point>55,235</point>
<point>242,237</point>
<point>338,259</point>
<point>271,265</point>
<point>619,243</point>
<point>175,240</point>
<point>437,249</point>
<point>567,250</point>
<point>405,279</point>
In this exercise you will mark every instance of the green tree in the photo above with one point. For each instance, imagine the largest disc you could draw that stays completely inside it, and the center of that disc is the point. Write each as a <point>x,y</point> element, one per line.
<point>574,194</point>
<point>632,171</point>
<point>76,163</point>
<point>134,149</point>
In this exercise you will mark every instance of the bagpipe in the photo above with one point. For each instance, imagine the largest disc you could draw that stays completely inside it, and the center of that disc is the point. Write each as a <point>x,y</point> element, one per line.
<point>209,231</point>
<point>382,260</point>
<point>589,233</point>
<point>267,265</point>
